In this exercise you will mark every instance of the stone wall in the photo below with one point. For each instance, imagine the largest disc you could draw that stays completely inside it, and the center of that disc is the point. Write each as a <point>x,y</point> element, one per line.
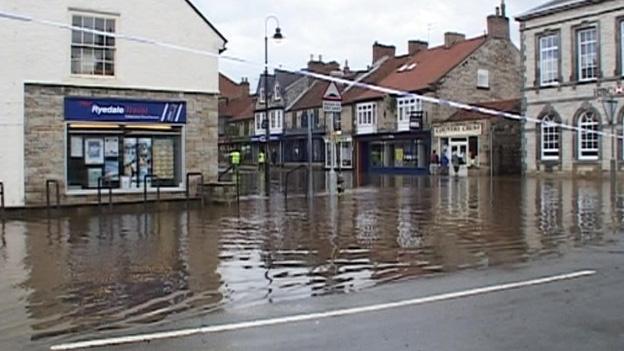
<point>44,134</point>
<point>501,58</point>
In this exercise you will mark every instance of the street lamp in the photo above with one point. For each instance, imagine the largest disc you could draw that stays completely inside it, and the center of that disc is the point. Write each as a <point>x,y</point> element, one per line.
<point>609,104</point>
<point>278,37</point>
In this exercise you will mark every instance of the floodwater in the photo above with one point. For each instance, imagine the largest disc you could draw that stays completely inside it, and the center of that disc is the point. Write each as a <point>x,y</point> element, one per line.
<point>83,273</point>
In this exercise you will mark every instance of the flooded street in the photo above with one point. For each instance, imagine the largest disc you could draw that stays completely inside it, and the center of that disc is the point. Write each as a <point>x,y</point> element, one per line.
<point>76,275</point>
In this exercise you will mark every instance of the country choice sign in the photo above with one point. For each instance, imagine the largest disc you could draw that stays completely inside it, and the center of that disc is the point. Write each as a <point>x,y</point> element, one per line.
<point>121,110</point>
<point>457,130</point>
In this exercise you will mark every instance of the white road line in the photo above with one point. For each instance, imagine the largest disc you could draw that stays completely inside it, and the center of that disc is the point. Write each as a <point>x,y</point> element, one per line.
<point>315,316</point>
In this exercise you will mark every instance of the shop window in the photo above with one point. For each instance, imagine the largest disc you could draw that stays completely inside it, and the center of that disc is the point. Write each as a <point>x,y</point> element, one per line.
<point>93,54</point>
<point>121,156</point>
<point>550,134</point>
<point>588,138</point>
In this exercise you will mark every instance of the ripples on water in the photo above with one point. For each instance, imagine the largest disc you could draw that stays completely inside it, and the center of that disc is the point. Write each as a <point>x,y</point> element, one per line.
<point>82,273</point>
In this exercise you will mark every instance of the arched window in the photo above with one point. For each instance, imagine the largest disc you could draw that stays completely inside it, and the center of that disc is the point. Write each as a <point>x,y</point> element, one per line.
<point>588,138</point>
<point>550,139</point>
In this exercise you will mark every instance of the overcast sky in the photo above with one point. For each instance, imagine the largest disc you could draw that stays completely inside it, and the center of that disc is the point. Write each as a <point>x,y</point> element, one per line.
<point>343,29</point>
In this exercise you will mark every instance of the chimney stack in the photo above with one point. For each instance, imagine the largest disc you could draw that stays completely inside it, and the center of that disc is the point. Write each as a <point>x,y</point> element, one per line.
<point>498,24</point>
<point>415,46</point>
<point>244,84</point>
<point>451,39</point>
<point>380,51</point>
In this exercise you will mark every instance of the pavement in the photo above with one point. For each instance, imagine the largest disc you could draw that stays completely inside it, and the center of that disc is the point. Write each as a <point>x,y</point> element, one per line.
<point>583,313</point>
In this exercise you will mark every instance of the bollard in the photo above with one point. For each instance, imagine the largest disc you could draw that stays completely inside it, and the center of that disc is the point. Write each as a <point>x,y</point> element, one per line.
<point>58,193</point>
<point>2,197</point>
<point>153,178</point>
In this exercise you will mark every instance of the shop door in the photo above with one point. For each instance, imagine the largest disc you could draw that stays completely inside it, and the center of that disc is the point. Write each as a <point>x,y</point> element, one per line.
<point>459,146</point>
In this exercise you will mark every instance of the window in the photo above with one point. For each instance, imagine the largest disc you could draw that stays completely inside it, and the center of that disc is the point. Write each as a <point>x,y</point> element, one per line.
<point>622,47</point>
<point>276,93</point>
<point>588,138</point>
<point>366,114</point>
<point>273,122</point>
<point>121,156</point>
<point>93,54</point>
<point>405,106</point>
<point>261,96</point>
<point>550,139</point>
<point>483,79</point>
<point>587,53</point>
<point>259,119</point>
<point>549,59</point>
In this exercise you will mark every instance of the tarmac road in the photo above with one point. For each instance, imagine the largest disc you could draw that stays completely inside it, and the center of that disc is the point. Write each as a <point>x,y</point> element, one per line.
<point>584,313</point>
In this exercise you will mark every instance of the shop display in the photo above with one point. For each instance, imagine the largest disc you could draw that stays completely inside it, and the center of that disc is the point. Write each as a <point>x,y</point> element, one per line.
<point>130,159</point>
<point>94,152</point>
<point>111,170</point>
<point>111,147</point>
<point>145,157</point>
<point>93,175</point>
<point>163,153</point>
<point>76,146</point>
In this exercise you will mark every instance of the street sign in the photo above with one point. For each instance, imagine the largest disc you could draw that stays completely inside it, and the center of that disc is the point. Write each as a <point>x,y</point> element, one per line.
<point>332,106</point>
<point>416,120</point>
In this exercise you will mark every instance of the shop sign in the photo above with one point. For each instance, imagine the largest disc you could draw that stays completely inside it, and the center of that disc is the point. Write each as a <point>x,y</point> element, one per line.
<point>121,110</point>
<point>416,120</point>
<point>453,130</point>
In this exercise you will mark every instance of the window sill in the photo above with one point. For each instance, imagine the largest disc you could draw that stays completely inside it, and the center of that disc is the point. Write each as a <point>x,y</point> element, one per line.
<point>94,76</point>
<point>135,191</point>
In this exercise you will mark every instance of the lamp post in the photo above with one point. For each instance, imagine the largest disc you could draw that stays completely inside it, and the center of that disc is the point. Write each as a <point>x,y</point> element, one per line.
<point>277,36</point>
<point>609,104</point>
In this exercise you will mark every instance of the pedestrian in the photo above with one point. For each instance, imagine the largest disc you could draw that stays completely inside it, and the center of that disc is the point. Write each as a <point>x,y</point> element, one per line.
<point>235,157</point>
<point>455,162</point>
<point>444,163</point>
<point>261,160</point>
<point>434,162</point>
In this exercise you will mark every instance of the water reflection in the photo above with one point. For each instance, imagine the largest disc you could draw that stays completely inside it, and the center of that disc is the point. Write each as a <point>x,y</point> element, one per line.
<point>88,272</point>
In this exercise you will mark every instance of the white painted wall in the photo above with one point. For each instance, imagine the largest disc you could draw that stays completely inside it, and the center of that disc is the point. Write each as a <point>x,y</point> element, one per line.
<point>36,53</point>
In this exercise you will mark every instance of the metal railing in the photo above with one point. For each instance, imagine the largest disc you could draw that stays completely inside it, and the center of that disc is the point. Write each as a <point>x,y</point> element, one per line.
<point>235,171</point>
<point>154,178</point>
<point>58,192</point>
<point>201,185</point>
<point>289,173</point>
<point>101,181</point>
<point>226,172</point>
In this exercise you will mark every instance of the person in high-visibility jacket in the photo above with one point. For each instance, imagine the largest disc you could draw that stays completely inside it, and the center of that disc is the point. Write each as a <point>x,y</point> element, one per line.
<point>235,157</point>
<point>261,160</point>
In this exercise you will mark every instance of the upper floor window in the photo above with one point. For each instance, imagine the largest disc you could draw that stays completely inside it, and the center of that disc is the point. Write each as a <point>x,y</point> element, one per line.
<point>550,133</point>
<point>549,59</point>
<point>261,96</point>
<point>93,54</point>
<point>366,113</point>
<point>587,53</point>
<point>621,29</point>
<point>405,107</point>
<point>588,138</point>
<point>483,79</point>
<point>276,93</point>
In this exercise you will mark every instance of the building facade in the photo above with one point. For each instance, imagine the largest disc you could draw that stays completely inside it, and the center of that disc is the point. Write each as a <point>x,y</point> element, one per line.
<point>81,108</point>
<point>571,50</point>
<point>236,120</point>
<point>393,132</point>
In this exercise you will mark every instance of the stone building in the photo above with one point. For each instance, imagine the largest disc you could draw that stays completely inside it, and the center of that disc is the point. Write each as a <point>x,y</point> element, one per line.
<point>82,109</point>
<point>393,133</point>
<point>570,50</point>
<point>236,119</point>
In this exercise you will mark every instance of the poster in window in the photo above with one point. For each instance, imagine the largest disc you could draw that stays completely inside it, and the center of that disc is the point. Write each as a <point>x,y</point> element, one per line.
<point>145,157</point>
<point>130,159</point>
<point>93,175</point>
<point>164,166</point>
<point>76,147</point>
<point>94,152</point>
<point>111,170</point>
<point>111,147</point>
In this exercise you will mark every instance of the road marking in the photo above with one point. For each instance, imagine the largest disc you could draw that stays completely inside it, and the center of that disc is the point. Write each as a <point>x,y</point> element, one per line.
<point>133,339</point>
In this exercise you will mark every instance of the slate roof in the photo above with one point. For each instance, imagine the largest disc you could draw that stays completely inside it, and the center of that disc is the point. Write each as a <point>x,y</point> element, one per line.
<point>555,6</point>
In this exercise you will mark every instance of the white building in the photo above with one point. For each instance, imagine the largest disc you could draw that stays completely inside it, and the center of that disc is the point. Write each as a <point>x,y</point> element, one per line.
<point>572,48</point>
<point>76,106</point>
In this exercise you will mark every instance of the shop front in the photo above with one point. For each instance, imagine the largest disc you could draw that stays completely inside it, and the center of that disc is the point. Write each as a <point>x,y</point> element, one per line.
<point>123,144</point>
<point>258,144</point>
<point>343,154</point>
<point>400,153</point>
<point>126,140</point>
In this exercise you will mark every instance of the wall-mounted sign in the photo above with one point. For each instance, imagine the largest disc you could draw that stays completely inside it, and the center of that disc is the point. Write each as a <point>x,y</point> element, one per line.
<point>332,106</point>
<point>454,129</point>
<point>416,120</point>
<point>121,110</point>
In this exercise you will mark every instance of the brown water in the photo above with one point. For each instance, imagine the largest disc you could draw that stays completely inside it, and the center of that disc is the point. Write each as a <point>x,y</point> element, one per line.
<point>73,275</point>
